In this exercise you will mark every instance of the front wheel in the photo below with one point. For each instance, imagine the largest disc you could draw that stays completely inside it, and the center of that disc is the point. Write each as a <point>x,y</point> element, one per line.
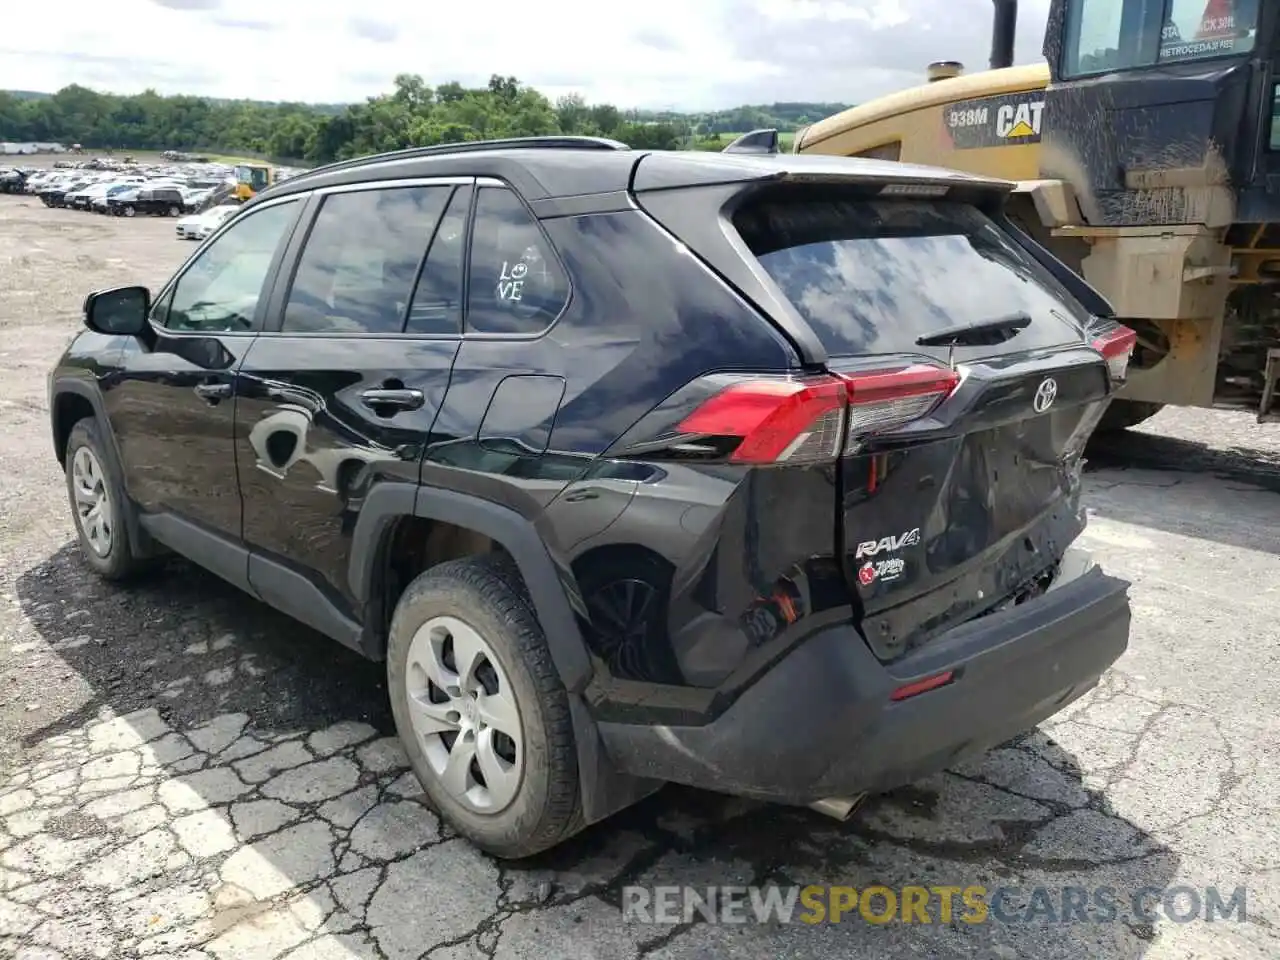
<point>130,211</point>
<point>481,710</point>
<point>97,505</point>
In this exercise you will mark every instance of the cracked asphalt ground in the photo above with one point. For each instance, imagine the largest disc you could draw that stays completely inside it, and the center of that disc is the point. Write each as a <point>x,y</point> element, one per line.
<point>186,774</point>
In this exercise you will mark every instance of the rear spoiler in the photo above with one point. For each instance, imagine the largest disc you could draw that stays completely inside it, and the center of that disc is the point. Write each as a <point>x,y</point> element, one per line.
<point>763,141</point>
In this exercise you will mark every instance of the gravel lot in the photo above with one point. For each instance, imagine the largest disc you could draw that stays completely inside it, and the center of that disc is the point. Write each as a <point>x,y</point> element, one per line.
<point>184,773</point>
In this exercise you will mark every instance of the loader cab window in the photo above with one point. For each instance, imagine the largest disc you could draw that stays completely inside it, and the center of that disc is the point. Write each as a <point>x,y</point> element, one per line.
<point>1109,35</point>
<point>1194,29</point>
<point>1275,118</point>
<point>1103,36</point>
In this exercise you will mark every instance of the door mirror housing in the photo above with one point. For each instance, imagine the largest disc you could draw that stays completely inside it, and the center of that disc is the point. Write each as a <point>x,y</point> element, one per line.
<point>120,311</point>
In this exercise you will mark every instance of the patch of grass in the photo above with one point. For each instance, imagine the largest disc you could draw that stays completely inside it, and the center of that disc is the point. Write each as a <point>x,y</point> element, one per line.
<point>230,158</point>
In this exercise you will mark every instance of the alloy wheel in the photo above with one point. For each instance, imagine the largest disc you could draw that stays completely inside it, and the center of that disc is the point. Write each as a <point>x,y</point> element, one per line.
<point>93,502</point>
<point>464,713</point>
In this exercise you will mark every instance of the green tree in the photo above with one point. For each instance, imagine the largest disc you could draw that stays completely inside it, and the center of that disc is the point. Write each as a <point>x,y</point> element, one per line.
<point>412,113</point>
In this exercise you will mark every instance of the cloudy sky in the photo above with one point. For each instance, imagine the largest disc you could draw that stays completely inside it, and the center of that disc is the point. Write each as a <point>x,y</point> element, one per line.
<point>683,54</point>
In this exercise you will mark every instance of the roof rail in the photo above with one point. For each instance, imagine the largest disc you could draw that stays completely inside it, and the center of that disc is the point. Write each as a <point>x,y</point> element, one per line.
<point>472,146</point>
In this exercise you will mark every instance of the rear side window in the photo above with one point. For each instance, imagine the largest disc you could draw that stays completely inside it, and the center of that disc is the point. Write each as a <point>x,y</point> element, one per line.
<point>516,283</point>
<point>872,275</point>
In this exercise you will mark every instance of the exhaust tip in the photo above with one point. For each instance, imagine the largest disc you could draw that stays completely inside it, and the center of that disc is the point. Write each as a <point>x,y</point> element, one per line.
<point>1004,29</point>
<point>838,808</point>
<point>944,70</point>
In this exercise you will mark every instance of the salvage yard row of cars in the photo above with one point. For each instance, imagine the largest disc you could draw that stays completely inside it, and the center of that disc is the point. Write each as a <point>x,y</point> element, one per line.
<point>202,194</point>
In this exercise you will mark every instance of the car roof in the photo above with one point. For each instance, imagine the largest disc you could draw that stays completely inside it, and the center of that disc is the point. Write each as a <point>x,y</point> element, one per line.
<point>674,170</point>
<point>558,167</point>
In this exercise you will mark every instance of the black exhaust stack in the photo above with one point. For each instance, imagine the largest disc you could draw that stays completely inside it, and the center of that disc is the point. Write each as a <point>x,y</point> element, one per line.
<point>1004,28</point>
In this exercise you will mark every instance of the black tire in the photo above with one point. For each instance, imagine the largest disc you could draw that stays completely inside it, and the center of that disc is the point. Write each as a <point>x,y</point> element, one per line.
<point>1123,414</point>
<point>486,594</point>
<point>119,562</point>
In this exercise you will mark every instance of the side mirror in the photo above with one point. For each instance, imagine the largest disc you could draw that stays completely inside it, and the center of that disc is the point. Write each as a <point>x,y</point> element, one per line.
<point>121,311</point>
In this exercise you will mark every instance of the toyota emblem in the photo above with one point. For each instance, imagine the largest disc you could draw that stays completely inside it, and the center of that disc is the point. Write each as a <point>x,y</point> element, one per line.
<point>1046,393</point>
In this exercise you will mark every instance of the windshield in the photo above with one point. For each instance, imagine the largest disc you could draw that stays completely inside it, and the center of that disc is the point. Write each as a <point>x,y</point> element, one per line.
<point>873,276</point>
<point>1107,35</point>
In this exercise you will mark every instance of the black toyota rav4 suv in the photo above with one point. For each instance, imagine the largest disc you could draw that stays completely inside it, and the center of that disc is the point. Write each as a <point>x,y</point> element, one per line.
<point>754,473</point>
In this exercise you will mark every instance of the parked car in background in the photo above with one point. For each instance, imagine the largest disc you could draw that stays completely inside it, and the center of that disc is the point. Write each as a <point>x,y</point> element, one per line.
<point>116,204</point>
<point>194,198</point>
<point>84,199</point>
<point>102,204</point>
<point>200,225</point>
<point>156,202</point>
<point>12,181</point>
<point>55,194</point>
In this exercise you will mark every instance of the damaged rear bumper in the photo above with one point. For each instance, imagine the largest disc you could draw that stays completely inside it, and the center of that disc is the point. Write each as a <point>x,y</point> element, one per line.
<point>824,723</point>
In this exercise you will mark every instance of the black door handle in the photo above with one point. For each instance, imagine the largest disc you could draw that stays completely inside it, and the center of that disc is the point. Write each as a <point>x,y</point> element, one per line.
<point>213,392</point>
<point>393,399</point>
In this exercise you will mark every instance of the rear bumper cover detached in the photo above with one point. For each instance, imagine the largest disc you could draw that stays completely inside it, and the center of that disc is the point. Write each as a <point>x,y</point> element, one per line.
<point>822,723</point>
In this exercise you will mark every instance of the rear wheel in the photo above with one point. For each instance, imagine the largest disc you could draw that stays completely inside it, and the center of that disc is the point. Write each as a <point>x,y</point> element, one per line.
<point>1123,414</point>
<point>481,710</point>
<point>129,211</point>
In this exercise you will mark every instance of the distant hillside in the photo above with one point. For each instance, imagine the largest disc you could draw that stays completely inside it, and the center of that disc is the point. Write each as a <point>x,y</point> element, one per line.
<point>412,113</point>
<point>330,109</point>
<point>787,117</point>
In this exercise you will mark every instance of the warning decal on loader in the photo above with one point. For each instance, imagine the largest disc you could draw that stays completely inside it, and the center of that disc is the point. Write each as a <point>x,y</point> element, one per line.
<point>1006,121</point>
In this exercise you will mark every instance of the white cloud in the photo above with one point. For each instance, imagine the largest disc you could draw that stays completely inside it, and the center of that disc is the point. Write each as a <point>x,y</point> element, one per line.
<point>678,53</point>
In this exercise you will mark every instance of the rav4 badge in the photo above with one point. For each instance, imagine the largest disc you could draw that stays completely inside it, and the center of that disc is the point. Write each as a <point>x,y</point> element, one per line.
<point>869,548</point>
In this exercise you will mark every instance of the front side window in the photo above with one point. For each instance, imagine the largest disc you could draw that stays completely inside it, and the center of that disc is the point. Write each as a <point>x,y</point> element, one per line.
<point>1108,35</point>
<point>516,283</point>
<point>358,268</point>
<point>437,300</point>
<point>219,291</point>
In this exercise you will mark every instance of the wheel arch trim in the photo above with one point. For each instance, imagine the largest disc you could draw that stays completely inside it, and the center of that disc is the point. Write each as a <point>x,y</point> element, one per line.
<point>390,501</point>
<point>67,385</point>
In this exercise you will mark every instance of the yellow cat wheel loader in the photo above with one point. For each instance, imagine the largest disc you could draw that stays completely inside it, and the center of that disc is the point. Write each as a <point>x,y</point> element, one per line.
<point>1147,154</point>
<point>252,179</point>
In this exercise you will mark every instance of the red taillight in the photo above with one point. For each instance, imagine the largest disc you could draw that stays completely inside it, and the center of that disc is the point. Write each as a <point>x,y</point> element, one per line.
<point>883,399</point>
<point>909,690</point>
<point>807,421</point>
<point>791,421</point>
<point>1116,347</point>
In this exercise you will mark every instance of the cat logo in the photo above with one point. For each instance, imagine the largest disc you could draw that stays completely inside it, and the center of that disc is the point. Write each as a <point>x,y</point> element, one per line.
<point>1014,121</point>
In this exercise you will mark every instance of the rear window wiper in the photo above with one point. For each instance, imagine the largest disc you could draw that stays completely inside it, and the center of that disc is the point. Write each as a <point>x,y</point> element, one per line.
<point>984,333</point>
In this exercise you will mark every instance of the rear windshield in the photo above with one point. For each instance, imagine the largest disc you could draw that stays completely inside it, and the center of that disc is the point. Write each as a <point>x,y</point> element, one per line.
<point>872,275</point>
